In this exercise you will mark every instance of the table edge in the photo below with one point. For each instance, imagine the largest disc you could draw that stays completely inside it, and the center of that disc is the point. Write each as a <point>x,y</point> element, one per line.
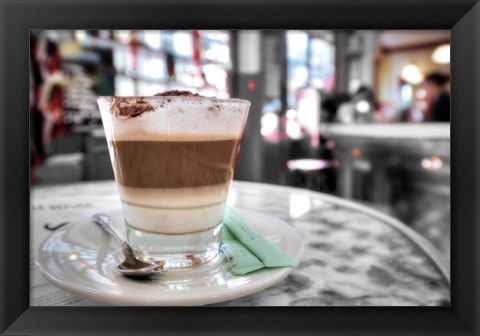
<point>402,228</point>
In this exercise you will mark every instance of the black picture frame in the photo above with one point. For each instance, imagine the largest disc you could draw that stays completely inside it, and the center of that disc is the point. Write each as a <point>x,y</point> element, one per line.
<point>461,17</point>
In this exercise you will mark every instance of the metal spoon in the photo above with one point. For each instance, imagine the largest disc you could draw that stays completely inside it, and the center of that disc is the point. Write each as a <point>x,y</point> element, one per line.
<point>131,266</point>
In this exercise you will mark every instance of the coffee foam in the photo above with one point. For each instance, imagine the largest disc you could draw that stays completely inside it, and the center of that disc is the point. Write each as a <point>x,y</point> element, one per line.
<point>176,119</point>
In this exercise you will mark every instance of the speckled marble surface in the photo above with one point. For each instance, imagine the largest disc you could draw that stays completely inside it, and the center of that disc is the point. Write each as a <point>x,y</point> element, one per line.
<point>354,256</point>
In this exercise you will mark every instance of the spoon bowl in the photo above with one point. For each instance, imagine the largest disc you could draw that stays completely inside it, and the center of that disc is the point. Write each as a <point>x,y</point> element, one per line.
<point>131,266</point>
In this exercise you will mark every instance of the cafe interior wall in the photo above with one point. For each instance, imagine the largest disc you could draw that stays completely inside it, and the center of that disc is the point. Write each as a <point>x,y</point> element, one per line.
<point>390,65</point>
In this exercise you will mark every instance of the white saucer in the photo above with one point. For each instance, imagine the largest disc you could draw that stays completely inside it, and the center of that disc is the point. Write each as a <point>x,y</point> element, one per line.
<point>81,259</point>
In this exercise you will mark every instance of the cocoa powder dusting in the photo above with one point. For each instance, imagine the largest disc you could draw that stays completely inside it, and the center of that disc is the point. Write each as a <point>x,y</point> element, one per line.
<point>177,93</point>
<point>130,107</point>
<point>133,107</point>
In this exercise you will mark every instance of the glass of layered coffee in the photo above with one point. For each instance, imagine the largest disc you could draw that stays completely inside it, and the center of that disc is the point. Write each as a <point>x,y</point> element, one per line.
<point>174,157</point>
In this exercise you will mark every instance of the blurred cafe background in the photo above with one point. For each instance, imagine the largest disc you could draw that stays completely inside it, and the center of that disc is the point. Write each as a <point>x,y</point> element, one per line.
<point>363,115</point>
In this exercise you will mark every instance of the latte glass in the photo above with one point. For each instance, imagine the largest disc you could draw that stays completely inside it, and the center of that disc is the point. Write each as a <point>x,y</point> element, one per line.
<point>174,159</point>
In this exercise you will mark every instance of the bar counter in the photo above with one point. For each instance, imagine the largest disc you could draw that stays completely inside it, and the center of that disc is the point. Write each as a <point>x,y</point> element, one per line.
<point>402,169</point>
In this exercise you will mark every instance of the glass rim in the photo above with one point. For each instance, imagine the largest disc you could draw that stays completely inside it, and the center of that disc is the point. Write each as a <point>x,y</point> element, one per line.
<point>197,99</point>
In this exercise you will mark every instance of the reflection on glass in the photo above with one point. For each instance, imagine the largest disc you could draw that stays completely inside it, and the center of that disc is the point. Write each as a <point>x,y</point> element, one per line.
<point>120,58</point>
<point>215,76</point>
<point>231,198</point>
<point>269,123</point>
<point>124,86</point>
<point>216,35</point>
<point>441,54</point>
<point>152,38</point>
<point>432,163</point>
<point>154,68</point>
<point>297,43</point>
<point>322,64</point>
<point>299,205</point>
<point>411,74</point>
<point>73,256</point>
<point>183,43</point>
<point>218,53</point>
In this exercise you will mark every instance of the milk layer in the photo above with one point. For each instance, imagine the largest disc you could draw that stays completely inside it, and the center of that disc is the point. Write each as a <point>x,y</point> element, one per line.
<point>174,211</point>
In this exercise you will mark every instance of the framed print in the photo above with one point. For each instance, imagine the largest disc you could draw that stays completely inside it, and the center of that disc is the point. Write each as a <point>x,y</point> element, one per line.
<point>215,49</point>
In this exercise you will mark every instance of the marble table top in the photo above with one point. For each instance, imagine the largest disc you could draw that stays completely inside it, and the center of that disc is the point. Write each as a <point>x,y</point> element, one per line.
<point>354,256</point>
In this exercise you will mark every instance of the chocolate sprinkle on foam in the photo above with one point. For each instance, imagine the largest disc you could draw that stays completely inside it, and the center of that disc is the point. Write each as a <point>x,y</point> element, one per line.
<point>177,93</point>
<point>130,107</point>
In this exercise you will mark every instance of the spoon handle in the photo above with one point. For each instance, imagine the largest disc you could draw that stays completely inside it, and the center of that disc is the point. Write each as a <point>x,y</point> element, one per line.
<point>105,222</point>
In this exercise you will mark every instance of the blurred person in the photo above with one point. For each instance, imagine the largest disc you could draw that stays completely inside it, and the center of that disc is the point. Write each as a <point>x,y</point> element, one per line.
<point>437,98</point>
<point>330,105</point>
<point>51,96</point>
<point>364,104</point>
<point>346,112</point>
<point>360,107</point>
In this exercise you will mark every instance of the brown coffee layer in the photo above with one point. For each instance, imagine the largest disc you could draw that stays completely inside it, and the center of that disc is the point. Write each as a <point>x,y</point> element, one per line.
<point>174,164</point>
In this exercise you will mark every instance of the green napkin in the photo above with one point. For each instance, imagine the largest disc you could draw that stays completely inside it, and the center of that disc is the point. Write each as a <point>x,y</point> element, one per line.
<point>246,250</point>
